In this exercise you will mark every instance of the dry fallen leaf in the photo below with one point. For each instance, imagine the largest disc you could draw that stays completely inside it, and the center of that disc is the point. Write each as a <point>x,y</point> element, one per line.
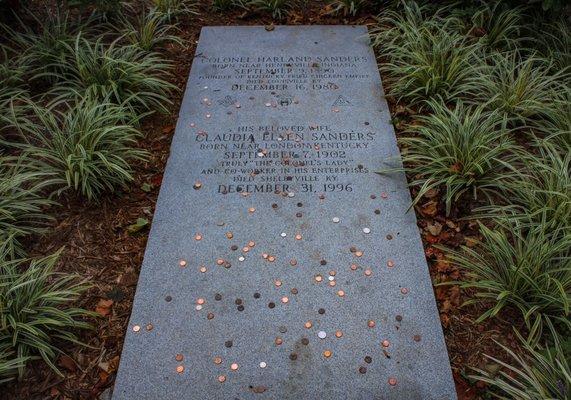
<point>67,362</point>
<point>103,307</point>
<point>471,241</point>
<point>168,129</point>
<point>434,228</point>
<point>429,209</point>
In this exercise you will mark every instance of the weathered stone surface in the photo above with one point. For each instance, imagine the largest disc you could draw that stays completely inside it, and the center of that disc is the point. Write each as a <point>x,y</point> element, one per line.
<point>278,140</point>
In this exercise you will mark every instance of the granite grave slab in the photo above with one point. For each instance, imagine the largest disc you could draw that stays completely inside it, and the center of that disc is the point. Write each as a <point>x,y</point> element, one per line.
<point>280,265</point>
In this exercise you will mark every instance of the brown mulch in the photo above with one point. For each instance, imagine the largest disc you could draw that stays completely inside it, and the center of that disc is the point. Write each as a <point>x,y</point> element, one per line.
<point>99,248</point>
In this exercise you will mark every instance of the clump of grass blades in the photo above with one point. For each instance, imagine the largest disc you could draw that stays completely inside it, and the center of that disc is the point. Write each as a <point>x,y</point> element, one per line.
<point>9,365</point>
<point>223,5</point>
<point>278,8</point>
<point>22,203</point>
<point>348,7</point>
<point>521,89</point>
<point>44,54</point>
<point>539,192</point>
<point>125,75</point>
<point>555,124</point>
<point>149,31</point>
<point>171,9</point>
<point>426,58</point>
<point>540,373</point>
<point>498,26</point>
<point>87,148</point>
<point>104,9</point>
<point>524,267</point>
<point>11,81</point>
<point>35,312</point>
<point>462,150</point>
<point>13,93</point>
<point>554,43</point>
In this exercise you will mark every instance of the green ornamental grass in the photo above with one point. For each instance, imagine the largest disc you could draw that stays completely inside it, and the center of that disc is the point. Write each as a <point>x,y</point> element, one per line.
<point>126,75</point>
<point>498,26</point>
<point>88,148</point>
<point>45,52</point>
<point>538,373</point>
<point>278,8</point>
<point>35,313</point>
<point>23,205</point>
<point>520,88</point>
<point>149,31</point>
<point>348,7</point>
<point>554,43</point>
<point>555,123</point>
<point>461,150</point>
<point>527,268</point>
<point>539,192</point>
<point>426,59</point>
<point>172,9</point>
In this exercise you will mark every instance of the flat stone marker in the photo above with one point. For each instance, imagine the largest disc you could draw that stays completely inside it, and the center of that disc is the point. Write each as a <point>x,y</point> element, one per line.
<point>279,264</point>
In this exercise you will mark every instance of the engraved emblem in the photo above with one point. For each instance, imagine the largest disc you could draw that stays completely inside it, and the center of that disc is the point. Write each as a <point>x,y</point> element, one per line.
<point>341,101</point>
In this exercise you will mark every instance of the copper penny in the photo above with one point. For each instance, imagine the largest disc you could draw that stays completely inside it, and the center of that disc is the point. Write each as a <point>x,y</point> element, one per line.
<point>221,379</point>
<point>180,369</point>
<point>327,353</point>
<point>182,263</point>
<point>393,381</point>
<point>371,323</point>
<point>179,357</point>
<point>234,367</point>
<point>217,360</point>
